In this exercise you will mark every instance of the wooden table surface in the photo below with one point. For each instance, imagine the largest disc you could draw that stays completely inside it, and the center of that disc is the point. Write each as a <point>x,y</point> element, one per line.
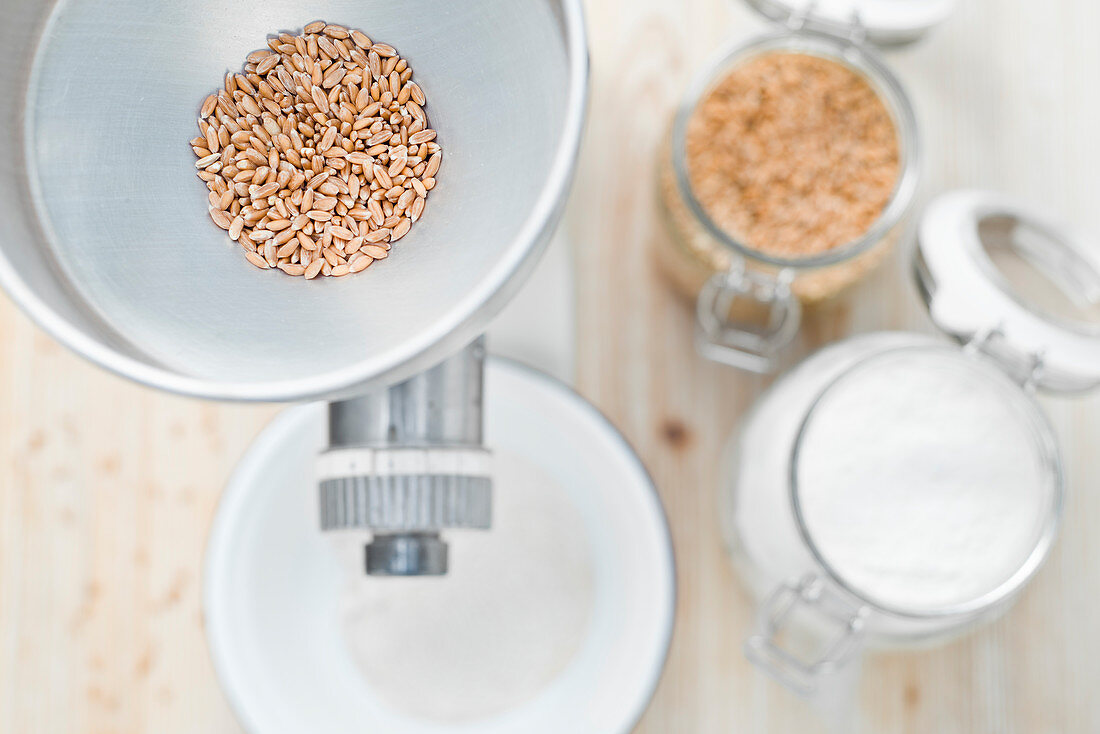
<point>107,489</point>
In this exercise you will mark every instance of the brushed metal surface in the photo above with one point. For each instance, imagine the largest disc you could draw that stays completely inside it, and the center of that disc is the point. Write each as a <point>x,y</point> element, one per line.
<point>438,407</point>
<point>406,502</point>
<point>106,241</point>
<point>407,461</point>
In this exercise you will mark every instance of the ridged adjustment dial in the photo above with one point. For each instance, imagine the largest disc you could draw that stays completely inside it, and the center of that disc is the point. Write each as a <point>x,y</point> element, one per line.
<point>405,489</point>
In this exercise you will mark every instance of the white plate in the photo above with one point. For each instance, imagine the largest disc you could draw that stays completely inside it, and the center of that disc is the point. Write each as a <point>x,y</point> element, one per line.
<point>272,580</point>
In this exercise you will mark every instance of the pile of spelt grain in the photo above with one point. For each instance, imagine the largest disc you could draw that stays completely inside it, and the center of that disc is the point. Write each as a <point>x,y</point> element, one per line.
<point>792,154</point>
<point>319,155</point>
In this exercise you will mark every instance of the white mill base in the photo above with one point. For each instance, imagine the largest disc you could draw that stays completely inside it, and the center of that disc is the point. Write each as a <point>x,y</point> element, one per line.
<point>275,588</point>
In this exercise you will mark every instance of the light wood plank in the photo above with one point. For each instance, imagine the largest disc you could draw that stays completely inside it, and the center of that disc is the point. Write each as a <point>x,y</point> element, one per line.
<point>107,489</point>
<point>1005,96</point>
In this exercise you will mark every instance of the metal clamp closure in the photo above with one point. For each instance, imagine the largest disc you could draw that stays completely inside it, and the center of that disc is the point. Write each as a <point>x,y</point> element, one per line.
<point>800,17</point>
<point>1029,373</point>
<point>796,21</point>
<point>740,343</point>
<point>833,623</point>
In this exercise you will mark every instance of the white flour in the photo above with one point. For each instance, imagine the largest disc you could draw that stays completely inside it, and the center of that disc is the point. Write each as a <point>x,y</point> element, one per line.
<point>490,635</point>
<point>920,483</point>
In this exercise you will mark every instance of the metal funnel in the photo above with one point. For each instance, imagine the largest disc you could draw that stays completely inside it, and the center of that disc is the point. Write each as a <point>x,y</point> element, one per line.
<point>106,241</point>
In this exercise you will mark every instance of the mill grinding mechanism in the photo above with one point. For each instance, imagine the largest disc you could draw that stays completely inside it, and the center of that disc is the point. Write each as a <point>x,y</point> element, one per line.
<point>406,463</point>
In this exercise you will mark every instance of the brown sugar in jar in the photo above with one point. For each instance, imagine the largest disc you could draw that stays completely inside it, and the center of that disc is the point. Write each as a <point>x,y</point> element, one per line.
<point>792,154</point>
<point>789,161</point>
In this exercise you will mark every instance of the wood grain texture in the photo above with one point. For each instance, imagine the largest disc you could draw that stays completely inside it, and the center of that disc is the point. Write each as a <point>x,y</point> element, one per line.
<point>107,489</point>
<point>1006,98</point>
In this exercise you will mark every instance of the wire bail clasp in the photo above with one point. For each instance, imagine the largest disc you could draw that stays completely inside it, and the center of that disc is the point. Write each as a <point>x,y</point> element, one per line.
<point>1029,376</point>
<point>796,19</point>
<point>857,30</point>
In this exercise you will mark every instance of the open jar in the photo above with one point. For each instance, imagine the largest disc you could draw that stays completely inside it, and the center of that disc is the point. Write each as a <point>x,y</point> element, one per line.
<point>894,488</point>
<point>750,286</point>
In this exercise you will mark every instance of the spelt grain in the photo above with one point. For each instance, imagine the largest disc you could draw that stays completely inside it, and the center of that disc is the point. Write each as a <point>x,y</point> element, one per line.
<point>375,251</point>
<point>221,218</point>
<point>417,209</point>
<point>256,260</point>
<point>313,125</point>
<point>401,229</point>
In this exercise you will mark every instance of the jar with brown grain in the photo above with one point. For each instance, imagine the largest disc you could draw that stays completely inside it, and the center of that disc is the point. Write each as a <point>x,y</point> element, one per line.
<point>784,179</point>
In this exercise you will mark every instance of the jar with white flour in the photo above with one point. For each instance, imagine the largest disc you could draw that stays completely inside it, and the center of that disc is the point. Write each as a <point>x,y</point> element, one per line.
<point>895,487</point>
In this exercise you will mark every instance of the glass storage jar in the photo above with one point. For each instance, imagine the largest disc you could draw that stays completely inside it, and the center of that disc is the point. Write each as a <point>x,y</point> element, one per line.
<point>749,302</point>
<point>894,487</point>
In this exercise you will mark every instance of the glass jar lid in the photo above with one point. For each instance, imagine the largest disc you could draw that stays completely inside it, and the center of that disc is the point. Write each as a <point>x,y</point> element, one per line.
<point>1007,278</point>
<point>883,22</point>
